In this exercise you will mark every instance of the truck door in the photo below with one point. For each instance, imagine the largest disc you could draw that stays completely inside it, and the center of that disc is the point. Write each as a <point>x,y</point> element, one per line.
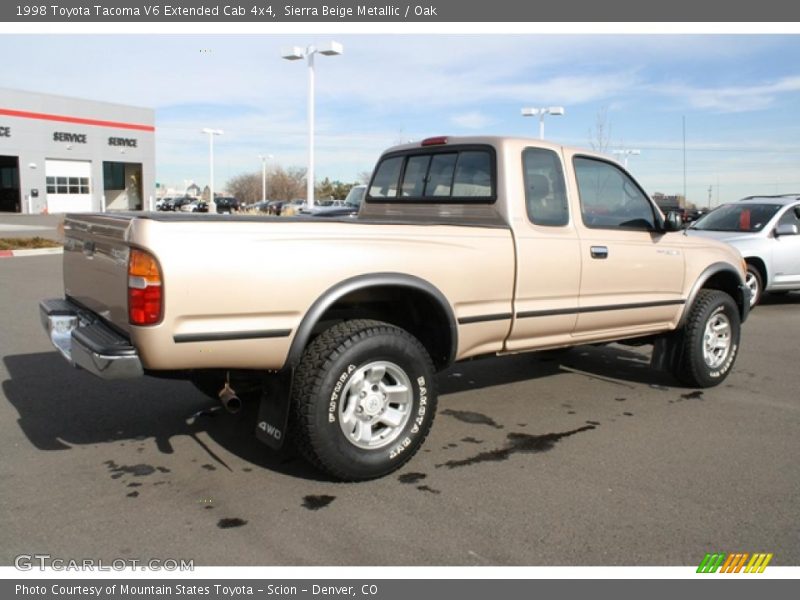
<point>548,256</point>
<point>632,275</point>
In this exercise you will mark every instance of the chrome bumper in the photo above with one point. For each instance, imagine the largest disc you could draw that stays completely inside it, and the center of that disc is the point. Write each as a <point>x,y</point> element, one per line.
<point>88,343</point>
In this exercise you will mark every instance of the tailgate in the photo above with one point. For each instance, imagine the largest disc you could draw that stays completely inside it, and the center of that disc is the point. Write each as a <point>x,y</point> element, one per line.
<point>96,264</point>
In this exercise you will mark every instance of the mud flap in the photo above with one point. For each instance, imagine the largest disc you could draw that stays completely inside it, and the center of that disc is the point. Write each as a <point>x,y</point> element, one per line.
<point>667,351</point>
<point>273,409</point>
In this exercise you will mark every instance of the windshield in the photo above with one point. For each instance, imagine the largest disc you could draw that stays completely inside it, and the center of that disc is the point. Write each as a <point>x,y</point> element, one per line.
<point>737,217</point>
<point>355,196</point>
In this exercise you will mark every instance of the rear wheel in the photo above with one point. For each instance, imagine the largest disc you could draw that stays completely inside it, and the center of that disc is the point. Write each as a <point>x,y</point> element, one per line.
<point>710,340</point>
<point>363,399</point>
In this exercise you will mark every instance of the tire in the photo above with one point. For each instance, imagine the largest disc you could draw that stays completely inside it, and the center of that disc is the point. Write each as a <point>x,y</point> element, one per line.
<point>706,362</point>
<point>363,399</point>
<point>755,282</point>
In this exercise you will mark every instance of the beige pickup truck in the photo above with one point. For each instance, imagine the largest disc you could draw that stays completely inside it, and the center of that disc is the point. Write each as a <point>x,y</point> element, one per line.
<point>463,247</point>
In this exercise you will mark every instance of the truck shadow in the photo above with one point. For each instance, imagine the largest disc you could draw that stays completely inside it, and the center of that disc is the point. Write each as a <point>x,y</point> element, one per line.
<point>610,363</point>
<point>60,407</point>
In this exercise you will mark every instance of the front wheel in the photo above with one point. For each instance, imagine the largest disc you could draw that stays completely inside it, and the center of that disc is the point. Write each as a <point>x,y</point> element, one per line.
<point>363,399</point>
<point>755,283</point>
<point>710,340</point>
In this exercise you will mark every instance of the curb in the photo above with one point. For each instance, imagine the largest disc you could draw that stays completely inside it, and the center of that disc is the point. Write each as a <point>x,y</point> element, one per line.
<point>30,252</point>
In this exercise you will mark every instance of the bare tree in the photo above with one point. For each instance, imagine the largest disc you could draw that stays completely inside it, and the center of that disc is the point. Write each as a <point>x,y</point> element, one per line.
<point>288,184</point>
<point>246,188</point>
<point>282,184</point>
<point>600,136</point>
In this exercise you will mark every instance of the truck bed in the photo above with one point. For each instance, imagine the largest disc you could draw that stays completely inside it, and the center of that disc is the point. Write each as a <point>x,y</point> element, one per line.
<point>236,287</point>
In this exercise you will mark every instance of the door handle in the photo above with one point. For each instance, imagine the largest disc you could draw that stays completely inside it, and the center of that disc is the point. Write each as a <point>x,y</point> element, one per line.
<point>599,252</point>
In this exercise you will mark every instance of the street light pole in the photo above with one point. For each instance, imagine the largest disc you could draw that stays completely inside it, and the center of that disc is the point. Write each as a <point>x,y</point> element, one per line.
<point>626,153</point>
<point>541,112</point>
<point>212,205</point>
<point>298,53</point>
<point>264,175</point>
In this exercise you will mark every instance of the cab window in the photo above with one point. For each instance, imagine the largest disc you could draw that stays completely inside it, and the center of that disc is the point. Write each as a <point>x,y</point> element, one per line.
<point>454,174</point>
<point>384,184</point>
<point>609,198</point>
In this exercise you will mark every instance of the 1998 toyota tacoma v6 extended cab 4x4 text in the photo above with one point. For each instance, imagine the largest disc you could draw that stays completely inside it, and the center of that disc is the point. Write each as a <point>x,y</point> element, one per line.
<point>462,247</point>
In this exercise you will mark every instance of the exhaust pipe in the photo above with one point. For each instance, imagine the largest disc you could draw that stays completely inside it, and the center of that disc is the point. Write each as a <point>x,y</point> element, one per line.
<point>230,401</point>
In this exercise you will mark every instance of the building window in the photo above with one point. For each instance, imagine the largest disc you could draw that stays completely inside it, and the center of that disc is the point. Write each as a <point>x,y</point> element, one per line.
<point>113,176</point>
<point>68,185</point>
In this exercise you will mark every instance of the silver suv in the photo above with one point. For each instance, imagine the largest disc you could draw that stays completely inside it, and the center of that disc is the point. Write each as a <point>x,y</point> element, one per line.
<point>765,230</point>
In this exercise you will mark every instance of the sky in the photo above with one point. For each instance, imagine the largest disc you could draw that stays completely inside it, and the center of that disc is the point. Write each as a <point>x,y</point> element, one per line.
<point>739,96</point>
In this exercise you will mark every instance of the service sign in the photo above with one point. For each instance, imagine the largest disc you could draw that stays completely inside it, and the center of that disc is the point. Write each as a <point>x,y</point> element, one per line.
<point>125,142</point>
<point>72,138</point>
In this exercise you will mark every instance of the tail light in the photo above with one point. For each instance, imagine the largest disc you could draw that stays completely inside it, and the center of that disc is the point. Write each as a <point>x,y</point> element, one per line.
<point>145,292</point>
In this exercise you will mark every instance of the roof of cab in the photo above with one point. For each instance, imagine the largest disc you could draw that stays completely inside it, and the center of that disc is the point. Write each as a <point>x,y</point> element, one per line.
<point>497,141</point>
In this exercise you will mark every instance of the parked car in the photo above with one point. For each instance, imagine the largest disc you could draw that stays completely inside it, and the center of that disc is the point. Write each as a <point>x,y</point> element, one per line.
<point>690,216</point>
<point>348,207</point>
<point>166,204</point>
<point>765,230</point>
<point>274,207</point>
<point>261,207</point>
<point>292,208</point>
<point>227,204</point>
<point>194,206</point>
<point>464,247</point>
<point>180,202</point>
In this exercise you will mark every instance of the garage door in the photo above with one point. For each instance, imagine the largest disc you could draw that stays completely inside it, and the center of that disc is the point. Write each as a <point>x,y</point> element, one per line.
<point>68,186</point>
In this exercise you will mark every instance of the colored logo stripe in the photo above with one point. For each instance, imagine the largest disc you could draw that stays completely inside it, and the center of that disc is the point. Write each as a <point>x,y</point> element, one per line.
<point>758,563</point>
<point>734,563</point>
<point>711,562</point>
<point>78,120</point>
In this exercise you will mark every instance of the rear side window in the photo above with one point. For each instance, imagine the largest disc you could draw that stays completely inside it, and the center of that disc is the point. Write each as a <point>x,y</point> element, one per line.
<point>466,174</point>
<point>545,196</point>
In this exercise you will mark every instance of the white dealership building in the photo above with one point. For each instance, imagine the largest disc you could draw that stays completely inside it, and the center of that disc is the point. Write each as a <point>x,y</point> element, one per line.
<point>60,154</point>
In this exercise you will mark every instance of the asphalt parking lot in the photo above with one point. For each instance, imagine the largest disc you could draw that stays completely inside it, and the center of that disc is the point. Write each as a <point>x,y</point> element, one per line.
<point>589,459</point>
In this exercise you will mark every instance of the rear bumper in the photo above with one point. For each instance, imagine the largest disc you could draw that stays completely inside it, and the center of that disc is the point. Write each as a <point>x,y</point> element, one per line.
<point>88,343</point>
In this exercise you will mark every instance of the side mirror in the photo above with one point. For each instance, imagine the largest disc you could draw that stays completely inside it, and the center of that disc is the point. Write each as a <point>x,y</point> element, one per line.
<point>785,229</point>
<point>673,221</point>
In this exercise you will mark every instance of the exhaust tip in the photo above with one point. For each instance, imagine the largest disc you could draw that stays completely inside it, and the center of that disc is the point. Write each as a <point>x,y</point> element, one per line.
<point>233,404</point>
<point>230,401</point>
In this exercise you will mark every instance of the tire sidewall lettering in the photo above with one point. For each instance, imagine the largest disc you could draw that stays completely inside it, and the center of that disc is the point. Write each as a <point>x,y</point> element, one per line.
<point>335,396</point>
<point>421,404</point>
